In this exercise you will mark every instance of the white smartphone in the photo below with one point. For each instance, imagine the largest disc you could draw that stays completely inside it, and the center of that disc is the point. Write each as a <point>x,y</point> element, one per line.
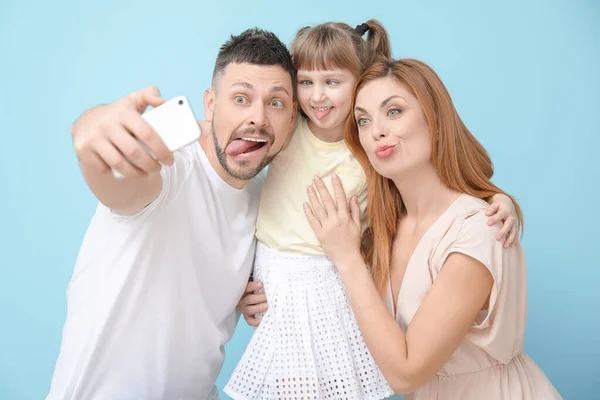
<point>175,123</point>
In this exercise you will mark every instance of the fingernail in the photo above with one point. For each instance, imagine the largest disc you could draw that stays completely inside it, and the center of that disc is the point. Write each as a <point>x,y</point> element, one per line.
<point>334,176</point>
<point>310,189</point>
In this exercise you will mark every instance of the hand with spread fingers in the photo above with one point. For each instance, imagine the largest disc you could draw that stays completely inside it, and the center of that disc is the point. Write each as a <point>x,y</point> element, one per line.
<point>335,222</point>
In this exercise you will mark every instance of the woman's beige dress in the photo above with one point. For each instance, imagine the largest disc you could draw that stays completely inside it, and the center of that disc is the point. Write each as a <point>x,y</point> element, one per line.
<point>490,363</point>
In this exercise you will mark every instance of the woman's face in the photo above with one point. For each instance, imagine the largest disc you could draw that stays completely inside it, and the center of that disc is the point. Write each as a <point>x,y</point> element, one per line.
<point>392,128</point>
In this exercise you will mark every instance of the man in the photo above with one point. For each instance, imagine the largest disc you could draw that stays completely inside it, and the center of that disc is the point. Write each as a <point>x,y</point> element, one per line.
<point>169,251</point>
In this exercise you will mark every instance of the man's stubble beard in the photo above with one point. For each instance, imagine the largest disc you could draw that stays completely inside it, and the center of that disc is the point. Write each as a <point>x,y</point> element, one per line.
<point>237,174</point>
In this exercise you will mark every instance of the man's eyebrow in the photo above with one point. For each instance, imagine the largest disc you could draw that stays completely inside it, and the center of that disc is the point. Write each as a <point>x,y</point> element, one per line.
<point>249,86</point>
<point>243,84</point>
<point>276,89</point>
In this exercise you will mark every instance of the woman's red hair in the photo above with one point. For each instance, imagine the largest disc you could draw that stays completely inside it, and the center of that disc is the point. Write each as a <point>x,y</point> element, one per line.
<point>460,160</point>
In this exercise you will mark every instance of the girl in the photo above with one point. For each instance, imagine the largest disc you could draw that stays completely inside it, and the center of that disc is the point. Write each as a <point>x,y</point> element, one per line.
<point>308,344</point>
<point>456,300</point>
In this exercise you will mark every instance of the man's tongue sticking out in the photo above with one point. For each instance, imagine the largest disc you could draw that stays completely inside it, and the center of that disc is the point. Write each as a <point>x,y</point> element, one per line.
<point>239,146</point>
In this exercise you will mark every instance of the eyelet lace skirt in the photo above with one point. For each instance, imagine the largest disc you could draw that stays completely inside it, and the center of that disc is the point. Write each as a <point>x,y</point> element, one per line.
<point>308,344</point>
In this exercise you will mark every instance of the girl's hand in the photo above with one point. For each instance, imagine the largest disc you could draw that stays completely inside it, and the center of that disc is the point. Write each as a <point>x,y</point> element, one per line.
<point>253,303</point>
<point>336,225</point>
<point>503,210</point>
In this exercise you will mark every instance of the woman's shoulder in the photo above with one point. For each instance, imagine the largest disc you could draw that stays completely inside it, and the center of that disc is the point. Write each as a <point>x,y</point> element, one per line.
<point>471,211</point>
<point>471,223</point>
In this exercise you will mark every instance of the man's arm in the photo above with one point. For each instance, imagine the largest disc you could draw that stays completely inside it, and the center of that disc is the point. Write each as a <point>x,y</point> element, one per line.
<point>104,137</point>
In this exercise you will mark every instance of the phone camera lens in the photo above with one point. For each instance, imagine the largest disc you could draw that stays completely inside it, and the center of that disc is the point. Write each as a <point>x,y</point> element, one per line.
<point>180,102</point>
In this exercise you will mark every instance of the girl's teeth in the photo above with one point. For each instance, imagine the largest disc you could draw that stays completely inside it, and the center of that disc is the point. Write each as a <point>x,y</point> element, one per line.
<point>322,112</point>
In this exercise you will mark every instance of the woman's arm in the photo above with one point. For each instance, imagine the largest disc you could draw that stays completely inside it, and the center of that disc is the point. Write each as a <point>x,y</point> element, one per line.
<point>447,312</point>
<point>410,360</point>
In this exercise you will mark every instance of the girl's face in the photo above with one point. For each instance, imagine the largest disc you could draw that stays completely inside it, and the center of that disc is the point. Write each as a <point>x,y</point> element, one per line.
<point>326,96</point>
<point>392,128</point>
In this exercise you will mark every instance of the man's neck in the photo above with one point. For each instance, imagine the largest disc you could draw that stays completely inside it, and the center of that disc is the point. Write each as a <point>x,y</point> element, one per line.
<point>207,144</point>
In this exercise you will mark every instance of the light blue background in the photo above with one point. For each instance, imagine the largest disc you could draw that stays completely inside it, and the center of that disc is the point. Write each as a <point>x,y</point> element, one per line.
<point>523,75</point>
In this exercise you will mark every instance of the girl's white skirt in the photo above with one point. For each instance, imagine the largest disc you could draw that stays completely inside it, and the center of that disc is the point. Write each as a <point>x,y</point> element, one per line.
<point>308,344</point>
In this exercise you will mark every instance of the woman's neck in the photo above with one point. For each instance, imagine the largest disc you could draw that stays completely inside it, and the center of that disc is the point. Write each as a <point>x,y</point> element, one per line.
<point>423,194</point>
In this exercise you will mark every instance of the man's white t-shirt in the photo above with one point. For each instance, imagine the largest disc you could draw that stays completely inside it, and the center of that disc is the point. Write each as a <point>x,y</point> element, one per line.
<point>153,296</point>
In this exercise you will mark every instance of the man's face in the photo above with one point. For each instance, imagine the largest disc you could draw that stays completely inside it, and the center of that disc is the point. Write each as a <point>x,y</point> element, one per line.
<point>252,111</point>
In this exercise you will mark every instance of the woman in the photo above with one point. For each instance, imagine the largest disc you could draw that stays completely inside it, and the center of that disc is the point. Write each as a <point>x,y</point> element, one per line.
<point>458,299</point>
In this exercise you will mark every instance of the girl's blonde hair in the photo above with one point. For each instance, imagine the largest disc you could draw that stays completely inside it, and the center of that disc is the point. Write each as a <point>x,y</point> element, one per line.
<point>336,45</point>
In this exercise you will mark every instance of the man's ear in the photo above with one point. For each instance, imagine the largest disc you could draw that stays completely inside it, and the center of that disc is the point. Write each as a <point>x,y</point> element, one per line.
<point>209,104</point>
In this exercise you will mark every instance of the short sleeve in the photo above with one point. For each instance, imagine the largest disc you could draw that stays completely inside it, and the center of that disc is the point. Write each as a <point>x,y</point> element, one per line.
<point>477,239</point>
<point>500,329</point>
<point>173,177</point>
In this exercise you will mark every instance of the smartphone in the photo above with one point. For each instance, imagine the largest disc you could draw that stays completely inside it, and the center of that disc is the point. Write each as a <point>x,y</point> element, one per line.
<point>175,123</point>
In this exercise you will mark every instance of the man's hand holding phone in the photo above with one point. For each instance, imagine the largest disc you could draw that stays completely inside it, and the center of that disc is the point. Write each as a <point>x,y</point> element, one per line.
<point>117,141</point>
<point>105,137</point>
